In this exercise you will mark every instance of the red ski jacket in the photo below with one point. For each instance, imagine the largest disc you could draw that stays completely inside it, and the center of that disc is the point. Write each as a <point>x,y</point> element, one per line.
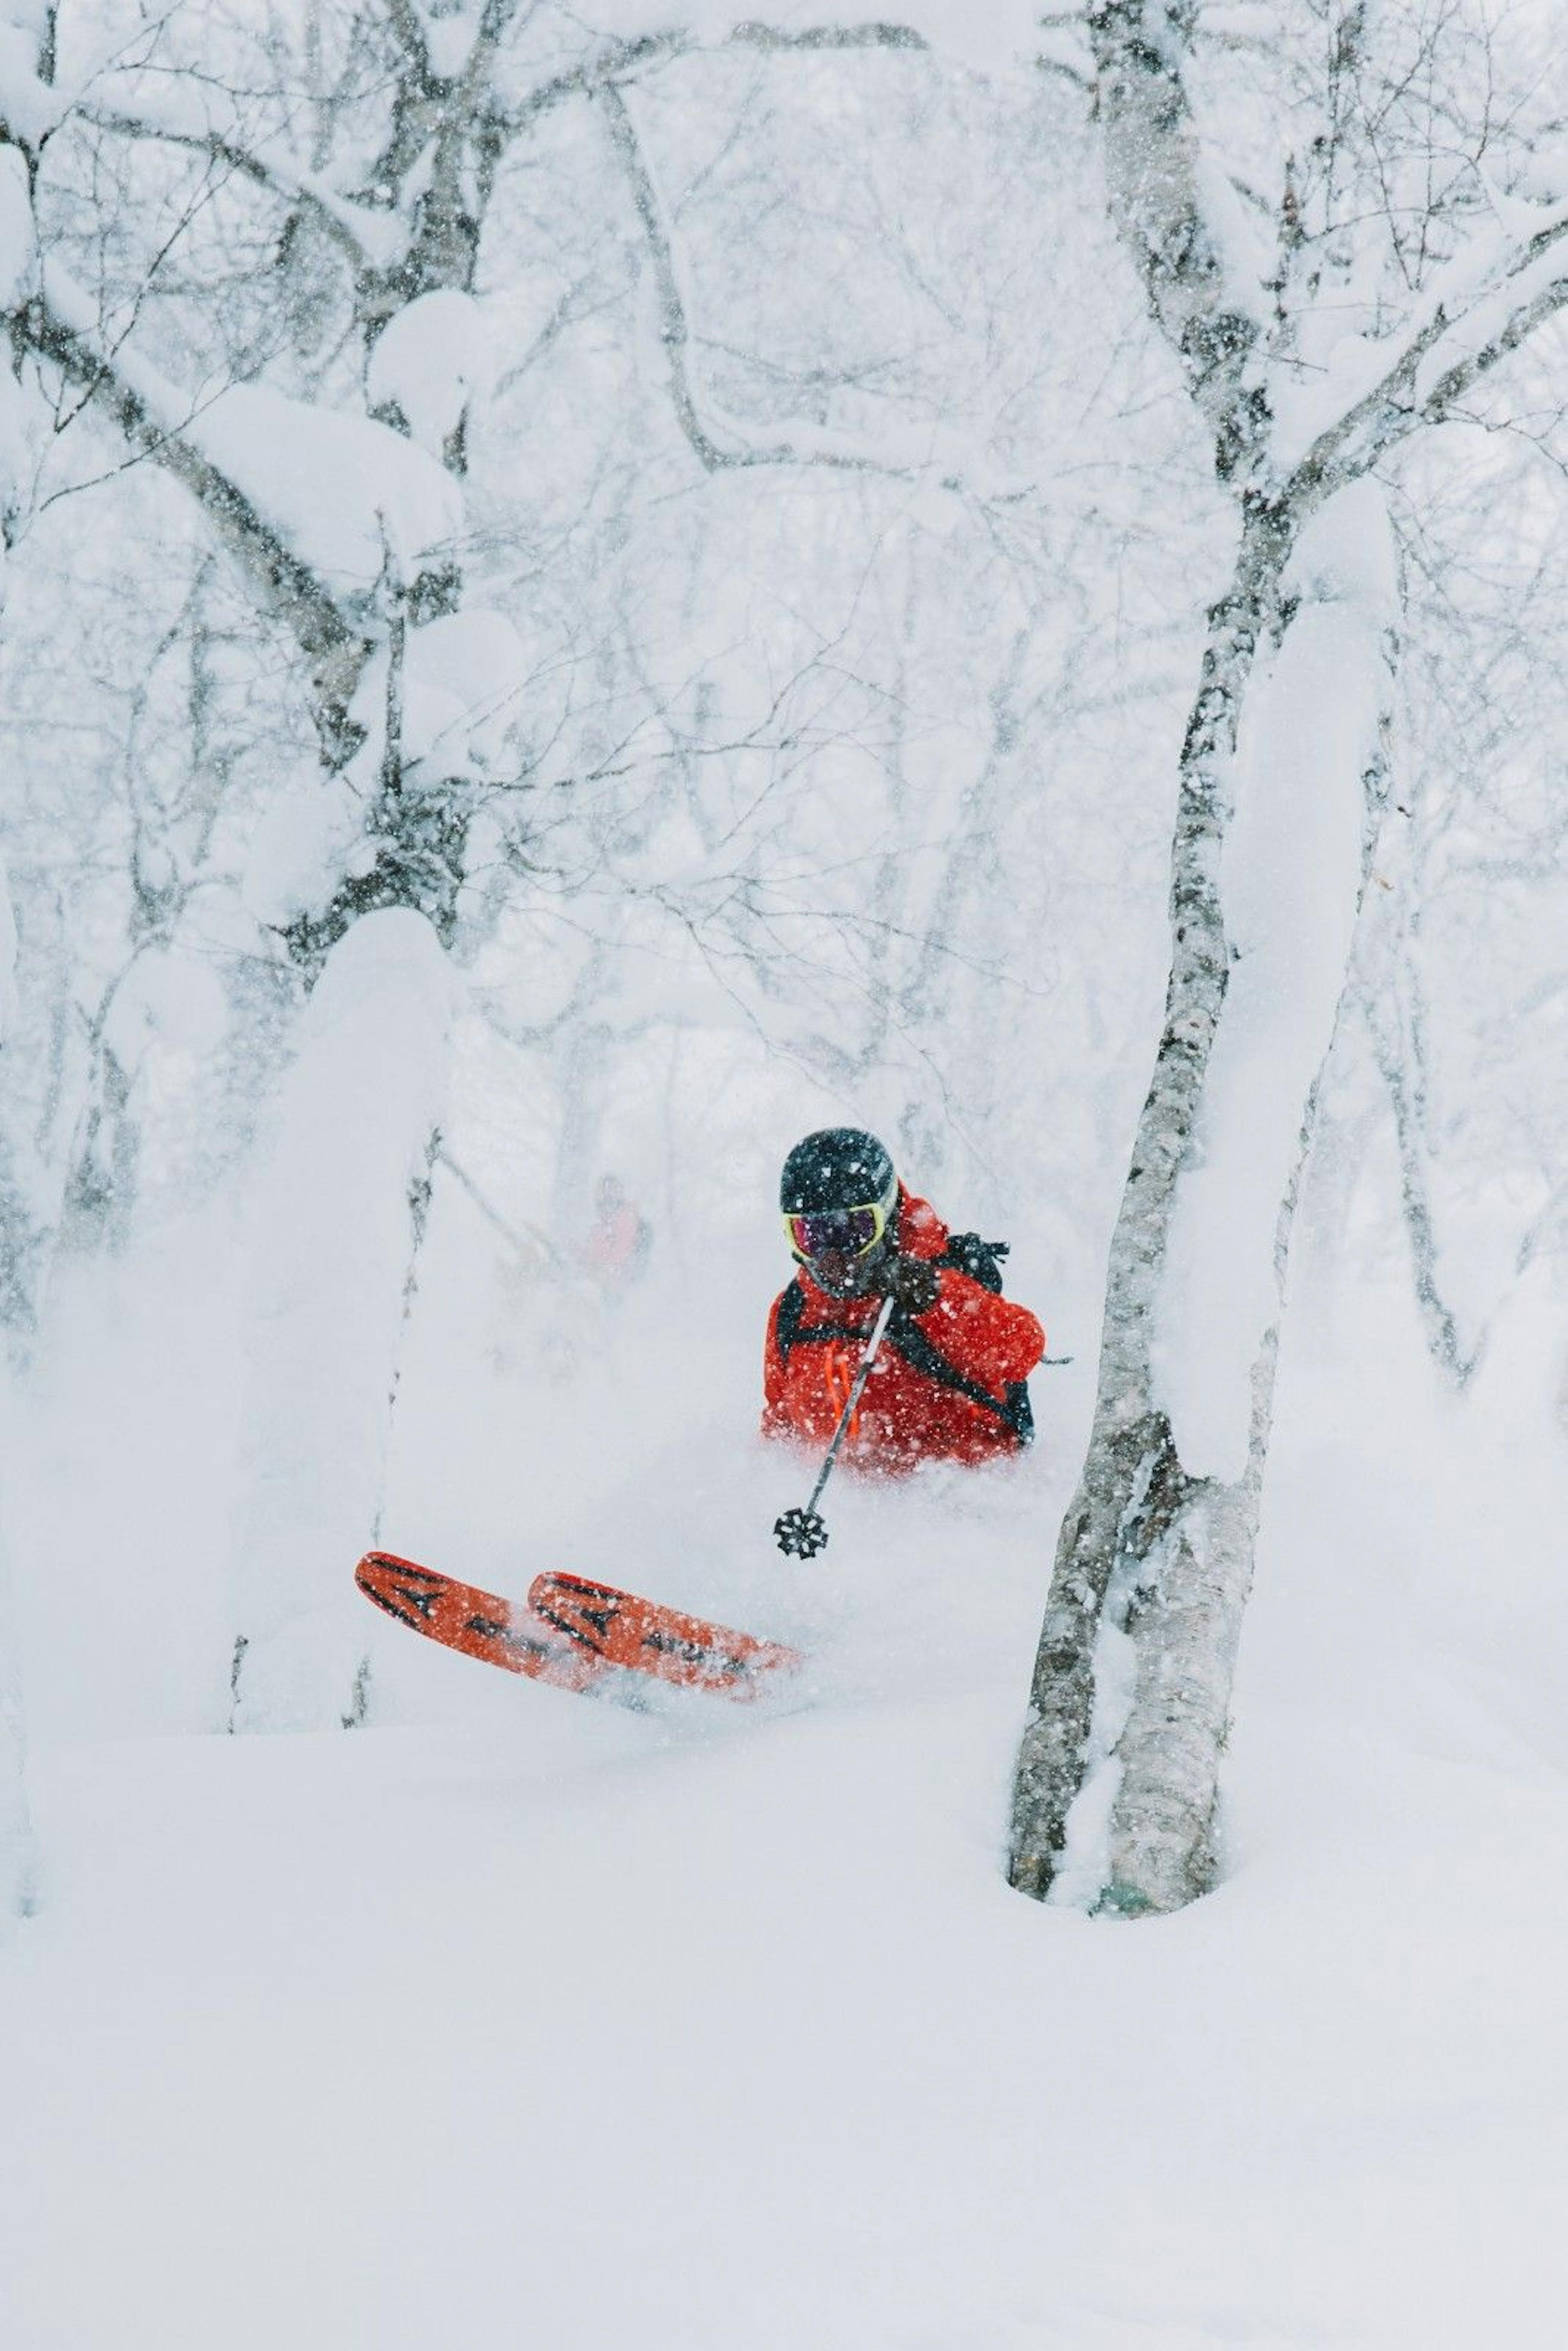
<point>915,1407</point>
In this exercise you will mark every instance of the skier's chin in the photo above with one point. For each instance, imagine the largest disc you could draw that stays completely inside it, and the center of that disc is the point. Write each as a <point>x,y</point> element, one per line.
<point>841,1277</point>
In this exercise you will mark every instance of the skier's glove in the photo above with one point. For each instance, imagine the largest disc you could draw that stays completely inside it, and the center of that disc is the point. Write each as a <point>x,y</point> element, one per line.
<point>911,1283</point>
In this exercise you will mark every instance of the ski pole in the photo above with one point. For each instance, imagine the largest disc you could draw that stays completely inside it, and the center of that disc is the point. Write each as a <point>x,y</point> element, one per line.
<point>803,1533</point>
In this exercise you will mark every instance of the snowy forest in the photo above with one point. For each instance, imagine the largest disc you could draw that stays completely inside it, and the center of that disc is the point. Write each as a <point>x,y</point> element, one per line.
<point>583,593</point>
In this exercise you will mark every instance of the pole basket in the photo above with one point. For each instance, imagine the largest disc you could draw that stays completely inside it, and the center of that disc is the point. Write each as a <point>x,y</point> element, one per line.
<point>801,1533</point>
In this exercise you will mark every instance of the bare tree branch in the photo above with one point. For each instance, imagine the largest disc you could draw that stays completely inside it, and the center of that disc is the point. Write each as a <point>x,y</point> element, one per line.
<point>58,324</point>
<point>675,333</point>
<point>616,61</point>
<point>810,445</point>
<point>365,236</point>
<point>754,35</point>
<point>1438,1322</point>
<point>1518,295</point>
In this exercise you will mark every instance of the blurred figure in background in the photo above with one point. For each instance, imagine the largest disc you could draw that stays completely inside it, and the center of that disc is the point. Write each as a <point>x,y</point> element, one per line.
<point>615,1253</point>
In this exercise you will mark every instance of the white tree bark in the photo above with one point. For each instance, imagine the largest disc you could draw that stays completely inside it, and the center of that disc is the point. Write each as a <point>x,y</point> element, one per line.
<point>379,663</point>
<point>1166,1512</point>
<point>1133,1487</point>
<point>402,683</point>
<point>335,1229</point>
<point>1168,1504</point>
<point>1390,998</point>
<point>24,119</point>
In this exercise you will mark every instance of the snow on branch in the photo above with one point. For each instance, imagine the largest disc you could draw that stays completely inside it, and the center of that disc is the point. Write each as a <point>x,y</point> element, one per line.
<point>753,35</point>
<point>371,240</point>
<point>29,106</point>
<point>1180,220</point>
<point>312,505</point>
<point>156,416</point>
<point>614,62</point>
<point>444,85</point>
<point>1492,296</point>
<point>618,60</point>
<point>447,89</point>
<point>1311,760</point>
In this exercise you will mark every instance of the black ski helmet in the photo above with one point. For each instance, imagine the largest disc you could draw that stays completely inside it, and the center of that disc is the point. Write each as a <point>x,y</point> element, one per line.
<point>837,1168</point>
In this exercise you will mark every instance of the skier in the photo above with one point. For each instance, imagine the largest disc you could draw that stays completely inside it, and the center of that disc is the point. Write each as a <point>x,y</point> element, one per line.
<point>616,1250</point>
<point>949,1382</point>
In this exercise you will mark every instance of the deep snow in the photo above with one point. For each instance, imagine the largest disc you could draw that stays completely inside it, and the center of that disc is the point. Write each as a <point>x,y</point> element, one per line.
<point>525,2018</point>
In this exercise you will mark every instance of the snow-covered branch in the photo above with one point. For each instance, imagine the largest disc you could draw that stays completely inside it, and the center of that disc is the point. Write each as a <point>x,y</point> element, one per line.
<point>1180,219</point>
<point>1493,295</point>
<point>369,239</point>
<point>1176,213</point>
<point>753,34</point>
<point>618,61</point>
<point>157,421</point>
<point>1439,1323</point>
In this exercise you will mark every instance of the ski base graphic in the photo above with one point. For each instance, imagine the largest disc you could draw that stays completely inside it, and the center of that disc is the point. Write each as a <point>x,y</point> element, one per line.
<point>573,1633</point>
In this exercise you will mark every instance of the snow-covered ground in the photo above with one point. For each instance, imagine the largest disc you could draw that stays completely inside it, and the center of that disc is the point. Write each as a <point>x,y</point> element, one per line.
<point>525,2019</point>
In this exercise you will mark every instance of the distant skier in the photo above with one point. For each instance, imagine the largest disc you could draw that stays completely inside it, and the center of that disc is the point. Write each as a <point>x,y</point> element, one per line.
<point>949,1384</point>
<point>616,1250</point>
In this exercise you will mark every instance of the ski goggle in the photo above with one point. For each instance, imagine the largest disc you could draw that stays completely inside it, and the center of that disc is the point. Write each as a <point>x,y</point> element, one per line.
<point>836,1232</point>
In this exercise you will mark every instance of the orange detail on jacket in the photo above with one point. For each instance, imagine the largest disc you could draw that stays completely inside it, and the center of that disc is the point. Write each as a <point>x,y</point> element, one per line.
<point>904,1416</point>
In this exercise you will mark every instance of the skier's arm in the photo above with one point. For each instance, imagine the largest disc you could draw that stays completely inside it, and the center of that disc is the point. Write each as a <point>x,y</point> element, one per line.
<point>773,1421</point>
<point>993,1339</point>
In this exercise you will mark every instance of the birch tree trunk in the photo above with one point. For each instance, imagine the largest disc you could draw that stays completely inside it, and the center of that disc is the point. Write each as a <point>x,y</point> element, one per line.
<point>405,683</point>
<point>336,1227</point>
<point>411,685</point>
<point>1284,778</point>
<point>1132,1489</point>
<point>1283,774</point>
<point>1394,1038</point>
<point>26,39</point>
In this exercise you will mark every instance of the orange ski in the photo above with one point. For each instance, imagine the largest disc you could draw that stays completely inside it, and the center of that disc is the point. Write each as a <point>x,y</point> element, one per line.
<point>571,1634</point>
<point>460,1616</point>
<point>623,1630</point>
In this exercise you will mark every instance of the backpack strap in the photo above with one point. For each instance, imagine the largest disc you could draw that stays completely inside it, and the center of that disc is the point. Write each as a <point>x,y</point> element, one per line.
<point>789,1333</point>
<point>921,1353</point>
